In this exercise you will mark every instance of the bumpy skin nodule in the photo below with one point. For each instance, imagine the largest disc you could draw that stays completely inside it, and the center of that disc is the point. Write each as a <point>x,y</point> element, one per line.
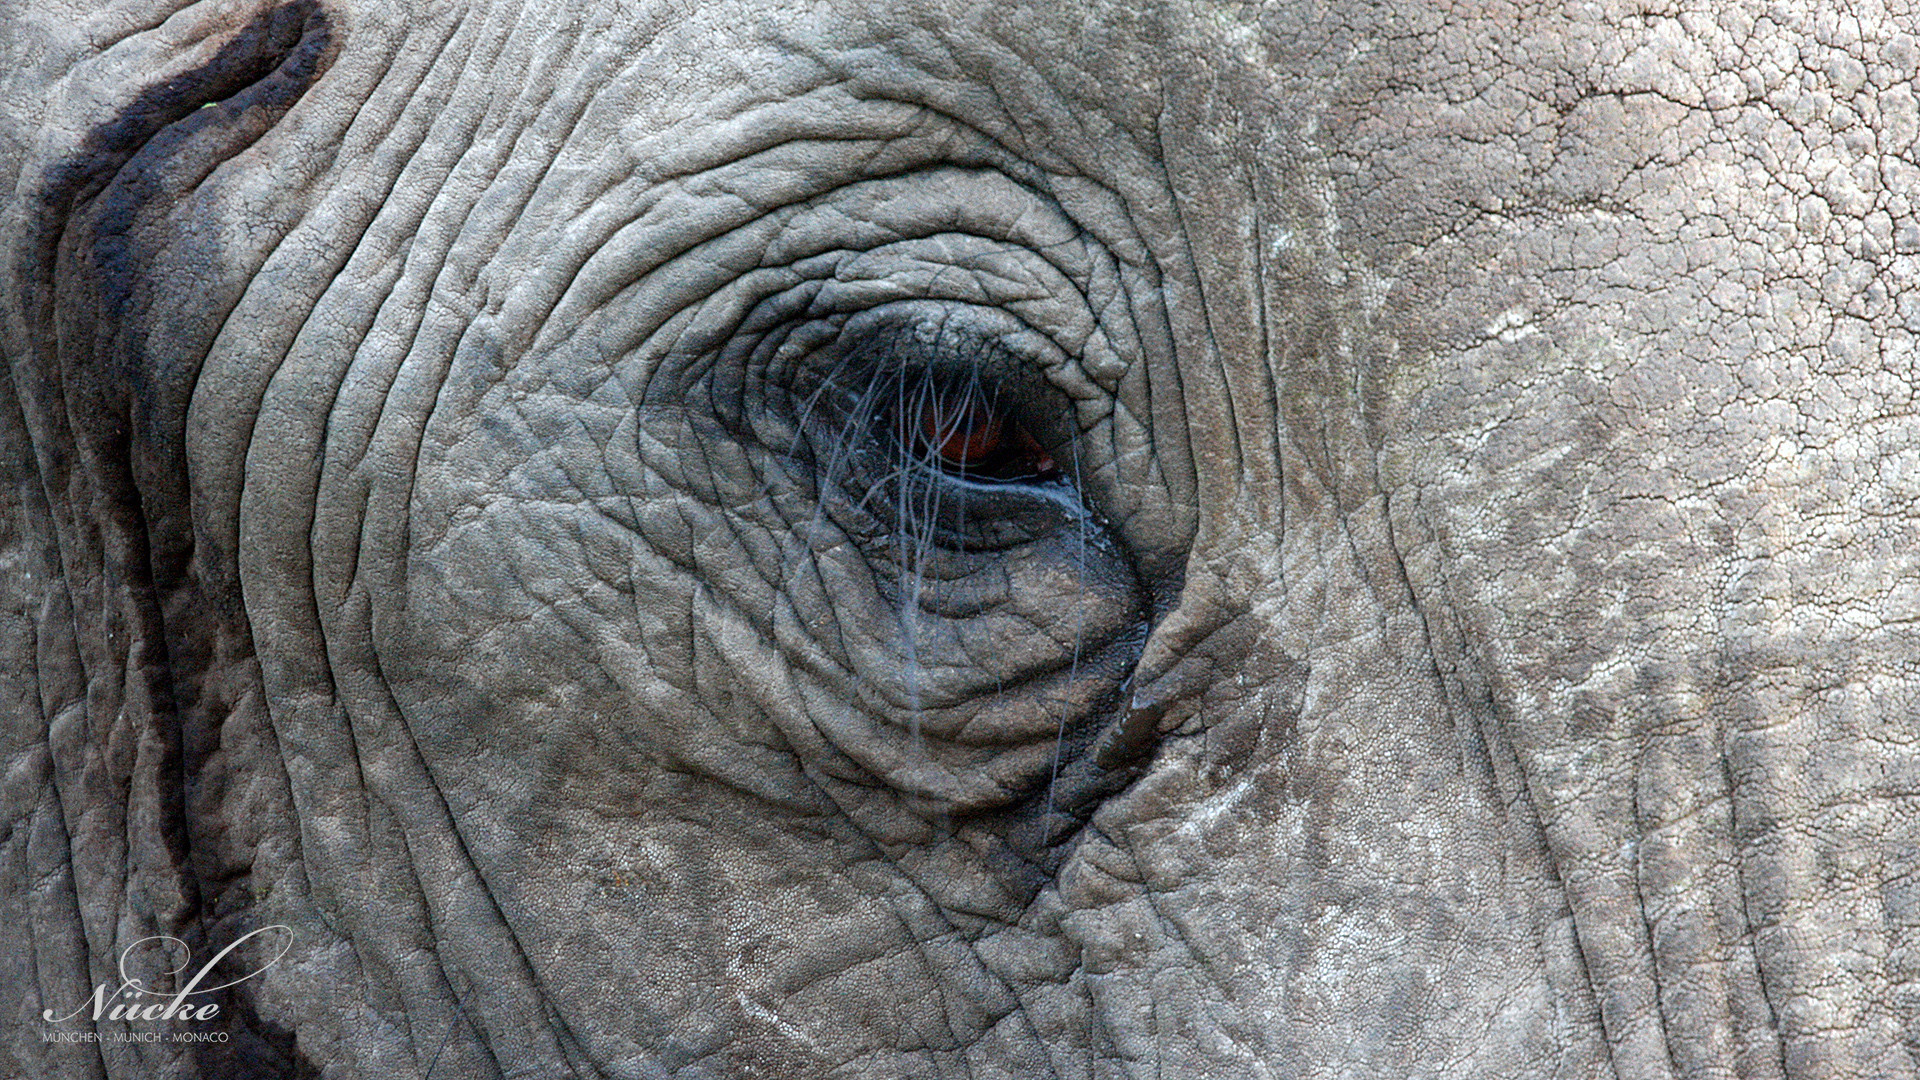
<point>465,504</point>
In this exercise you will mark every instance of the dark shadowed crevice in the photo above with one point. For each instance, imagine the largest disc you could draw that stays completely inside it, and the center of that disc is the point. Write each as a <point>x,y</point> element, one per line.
<point>107,412</point>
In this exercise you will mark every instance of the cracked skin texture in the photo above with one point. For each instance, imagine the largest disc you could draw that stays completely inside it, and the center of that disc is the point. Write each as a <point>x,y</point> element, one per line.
<point>1482,642</point>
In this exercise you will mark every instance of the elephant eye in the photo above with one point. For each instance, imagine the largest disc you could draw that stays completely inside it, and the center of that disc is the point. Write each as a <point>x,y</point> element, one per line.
<point>967,433</point>
<point>944,439</point>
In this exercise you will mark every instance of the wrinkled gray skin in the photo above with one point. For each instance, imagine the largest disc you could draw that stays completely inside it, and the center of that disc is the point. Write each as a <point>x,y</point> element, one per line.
<point>1472,630</point>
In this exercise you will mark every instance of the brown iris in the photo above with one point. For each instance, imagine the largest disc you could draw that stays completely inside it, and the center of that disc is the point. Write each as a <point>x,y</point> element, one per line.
<point>969,435</point>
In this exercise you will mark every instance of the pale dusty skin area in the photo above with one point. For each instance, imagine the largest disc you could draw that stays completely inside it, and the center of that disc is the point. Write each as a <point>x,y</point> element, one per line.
<point>462,507</point>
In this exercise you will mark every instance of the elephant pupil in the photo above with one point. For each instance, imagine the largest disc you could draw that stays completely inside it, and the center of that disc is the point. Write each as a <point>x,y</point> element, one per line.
<point>967,434</point>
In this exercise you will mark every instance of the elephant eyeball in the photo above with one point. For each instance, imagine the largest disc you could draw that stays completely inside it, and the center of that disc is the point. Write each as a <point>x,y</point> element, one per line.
<point>970,436</point>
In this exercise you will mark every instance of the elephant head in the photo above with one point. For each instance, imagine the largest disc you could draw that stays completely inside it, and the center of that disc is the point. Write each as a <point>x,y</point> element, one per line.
<point>633,539</point>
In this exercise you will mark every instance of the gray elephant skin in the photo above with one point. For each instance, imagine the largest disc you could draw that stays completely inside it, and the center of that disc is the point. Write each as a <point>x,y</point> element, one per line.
<point>875,540</point>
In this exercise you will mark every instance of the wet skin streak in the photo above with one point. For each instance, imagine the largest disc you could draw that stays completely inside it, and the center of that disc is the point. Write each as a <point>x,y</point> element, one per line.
<point>102,220</point>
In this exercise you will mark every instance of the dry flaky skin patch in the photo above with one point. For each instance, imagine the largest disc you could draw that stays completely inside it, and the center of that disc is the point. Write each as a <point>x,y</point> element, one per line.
<point>1666,531</point>
<point>1468,632</point>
